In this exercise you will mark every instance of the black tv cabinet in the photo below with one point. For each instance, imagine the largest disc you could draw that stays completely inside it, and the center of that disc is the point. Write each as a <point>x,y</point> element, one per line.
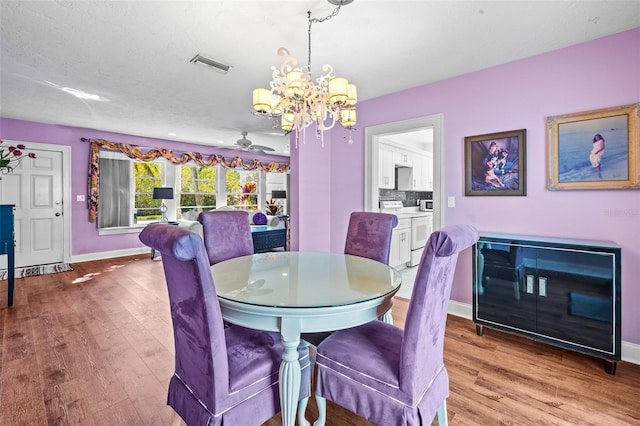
<point>564,292</point>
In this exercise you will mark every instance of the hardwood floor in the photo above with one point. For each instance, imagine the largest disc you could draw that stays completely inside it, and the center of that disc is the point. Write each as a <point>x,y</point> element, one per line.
<point>94,346</point>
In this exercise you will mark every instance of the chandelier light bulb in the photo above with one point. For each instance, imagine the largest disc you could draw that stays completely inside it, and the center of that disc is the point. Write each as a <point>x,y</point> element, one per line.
<point>348,117</point>
<point>338,94</point>
<point>286,122</point>
<point>352,94</point>
<point>262,101</point>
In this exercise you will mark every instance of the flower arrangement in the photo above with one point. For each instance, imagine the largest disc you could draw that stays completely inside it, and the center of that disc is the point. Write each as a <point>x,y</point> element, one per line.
<point>11,157</point>
<point>273,209</point>
<point>247,189</point>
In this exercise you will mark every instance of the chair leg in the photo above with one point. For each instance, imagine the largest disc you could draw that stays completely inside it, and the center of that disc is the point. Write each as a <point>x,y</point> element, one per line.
<point>302,408</point>
<point>442,414</point>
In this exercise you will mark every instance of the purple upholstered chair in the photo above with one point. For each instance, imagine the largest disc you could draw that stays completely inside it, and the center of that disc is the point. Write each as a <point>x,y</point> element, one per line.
<point>227,234</point>
<point>222,376</point>
<point>369,235</point>
<point>390,376</point>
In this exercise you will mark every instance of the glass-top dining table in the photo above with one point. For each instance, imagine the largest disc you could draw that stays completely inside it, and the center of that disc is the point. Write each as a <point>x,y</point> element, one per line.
<point>302,292</point>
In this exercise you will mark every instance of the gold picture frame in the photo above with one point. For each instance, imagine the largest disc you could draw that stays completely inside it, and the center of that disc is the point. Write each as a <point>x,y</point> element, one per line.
<point>597,149</point>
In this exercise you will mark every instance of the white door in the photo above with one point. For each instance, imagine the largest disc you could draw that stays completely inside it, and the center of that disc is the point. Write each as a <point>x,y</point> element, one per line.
<point>35,187</point>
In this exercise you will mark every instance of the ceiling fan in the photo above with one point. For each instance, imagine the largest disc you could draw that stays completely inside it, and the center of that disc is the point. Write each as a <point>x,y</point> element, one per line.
<point>245,144</point>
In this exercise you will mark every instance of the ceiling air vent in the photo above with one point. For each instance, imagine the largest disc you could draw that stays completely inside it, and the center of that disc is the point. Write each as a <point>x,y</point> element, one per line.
<point>219,66</point>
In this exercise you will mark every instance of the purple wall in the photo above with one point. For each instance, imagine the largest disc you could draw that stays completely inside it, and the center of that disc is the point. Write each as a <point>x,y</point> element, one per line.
<point>593,75</point>
<point>310,215</point>
<point>84,234</point>
<point>327,184</point>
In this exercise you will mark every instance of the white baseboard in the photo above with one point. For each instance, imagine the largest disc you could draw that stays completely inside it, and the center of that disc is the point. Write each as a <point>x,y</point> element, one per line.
<point>460,309</point>
<point>109,254</point>
<point>630,351</point>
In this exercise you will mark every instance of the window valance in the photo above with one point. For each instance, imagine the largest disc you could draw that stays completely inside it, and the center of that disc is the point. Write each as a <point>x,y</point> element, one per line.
<point>135,152</point>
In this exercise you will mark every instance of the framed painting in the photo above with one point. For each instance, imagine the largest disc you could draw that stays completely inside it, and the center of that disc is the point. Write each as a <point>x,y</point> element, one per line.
<point>597,149</point>
<point>495,163</point>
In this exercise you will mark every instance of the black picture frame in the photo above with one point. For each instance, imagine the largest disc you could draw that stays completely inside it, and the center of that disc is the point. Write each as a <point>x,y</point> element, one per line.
<point>495,164</point>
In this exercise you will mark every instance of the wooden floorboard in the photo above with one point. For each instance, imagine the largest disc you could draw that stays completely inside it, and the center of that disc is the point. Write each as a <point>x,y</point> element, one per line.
<point>94,346</point>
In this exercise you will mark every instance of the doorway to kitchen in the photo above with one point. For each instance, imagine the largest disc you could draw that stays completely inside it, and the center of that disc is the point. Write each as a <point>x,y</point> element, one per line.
<point>422,136</point>
<point>375,135</point>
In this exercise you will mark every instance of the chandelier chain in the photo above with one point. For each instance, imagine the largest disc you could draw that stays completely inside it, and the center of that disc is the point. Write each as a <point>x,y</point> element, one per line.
<point>318,21</point>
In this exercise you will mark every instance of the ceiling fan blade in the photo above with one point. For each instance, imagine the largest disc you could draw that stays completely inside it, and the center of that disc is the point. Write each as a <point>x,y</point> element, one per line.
<point>260,148</point>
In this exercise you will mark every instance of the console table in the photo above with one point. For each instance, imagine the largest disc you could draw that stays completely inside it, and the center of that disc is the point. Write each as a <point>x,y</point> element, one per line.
<point>7,245</point>
<point>564,292</point>
<point>268,237</point>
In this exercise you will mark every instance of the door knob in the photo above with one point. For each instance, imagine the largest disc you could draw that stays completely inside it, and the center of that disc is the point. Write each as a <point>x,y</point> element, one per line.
<point>58,214</point>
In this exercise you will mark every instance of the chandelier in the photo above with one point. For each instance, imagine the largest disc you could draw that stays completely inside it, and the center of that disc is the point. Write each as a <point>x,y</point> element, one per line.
<point>297,101</point>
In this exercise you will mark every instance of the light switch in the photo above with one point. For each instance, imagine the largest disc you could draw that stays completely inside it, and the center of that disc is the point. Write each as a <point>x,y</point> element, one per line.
<point>79,197</point>
<point>451,201</point>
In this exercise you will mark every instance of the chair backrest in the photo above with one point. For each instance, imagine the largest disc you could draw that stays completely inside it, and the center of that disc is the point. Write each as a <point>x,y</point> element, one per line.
<point>423,343</point>
<point>197,322</point>
<point>227,234</point>
<point>369,235</point>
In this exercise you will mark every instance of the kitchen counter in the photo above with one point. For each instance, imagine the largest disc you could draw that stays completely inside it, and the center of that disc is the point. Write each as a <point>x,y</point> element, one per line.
<point>407,212</point>
<point>413,214</point>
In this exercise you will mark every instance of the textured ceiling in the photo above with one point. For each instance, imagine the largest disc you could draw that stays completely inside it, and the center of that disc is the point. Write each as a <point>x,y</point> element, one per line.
<point>135,54</point>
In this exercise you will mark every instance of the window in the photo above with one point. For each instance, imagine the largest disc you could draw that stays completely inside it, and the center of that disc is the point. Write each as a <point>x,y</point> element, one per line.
<point>146,177</point>
<point>242,189</point>
<point>126,190</point>
<point>197,189</point>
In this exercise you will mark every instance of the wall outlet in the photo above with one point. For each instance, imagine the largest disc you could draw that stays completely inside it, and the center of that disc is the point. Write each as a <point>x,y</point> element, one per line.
<point>451,201</point>
<point>79,197</point>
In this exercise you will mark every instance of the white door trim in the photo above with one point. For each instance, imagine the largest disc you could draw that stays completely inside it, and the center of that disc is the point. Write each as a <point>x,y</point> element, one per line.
<point>65,150</point>
<point>373,133</point>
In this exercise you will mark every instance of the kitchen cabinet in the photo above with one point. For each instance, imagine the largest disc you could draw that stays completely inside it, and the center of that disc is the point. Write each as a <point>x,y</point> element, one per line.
<point>428,173</point>
<point>419,177</point>
<point>422,180</point>
<point>402,158</point>
<point>558,291</point>
<point>386,168</point>
<point>414,171</point>
<point>400,252</point>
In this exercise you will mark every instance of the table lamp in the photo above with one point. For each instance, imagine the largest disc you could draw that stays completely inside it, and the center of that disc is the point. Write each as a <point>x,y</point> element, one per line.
<point>163,194</point>
<point>280,195</point>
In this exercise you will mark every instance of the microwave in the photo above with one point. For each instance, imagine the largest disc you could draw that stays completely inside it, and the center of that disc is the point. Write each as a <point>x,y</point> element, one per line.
<point>426,205</point>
